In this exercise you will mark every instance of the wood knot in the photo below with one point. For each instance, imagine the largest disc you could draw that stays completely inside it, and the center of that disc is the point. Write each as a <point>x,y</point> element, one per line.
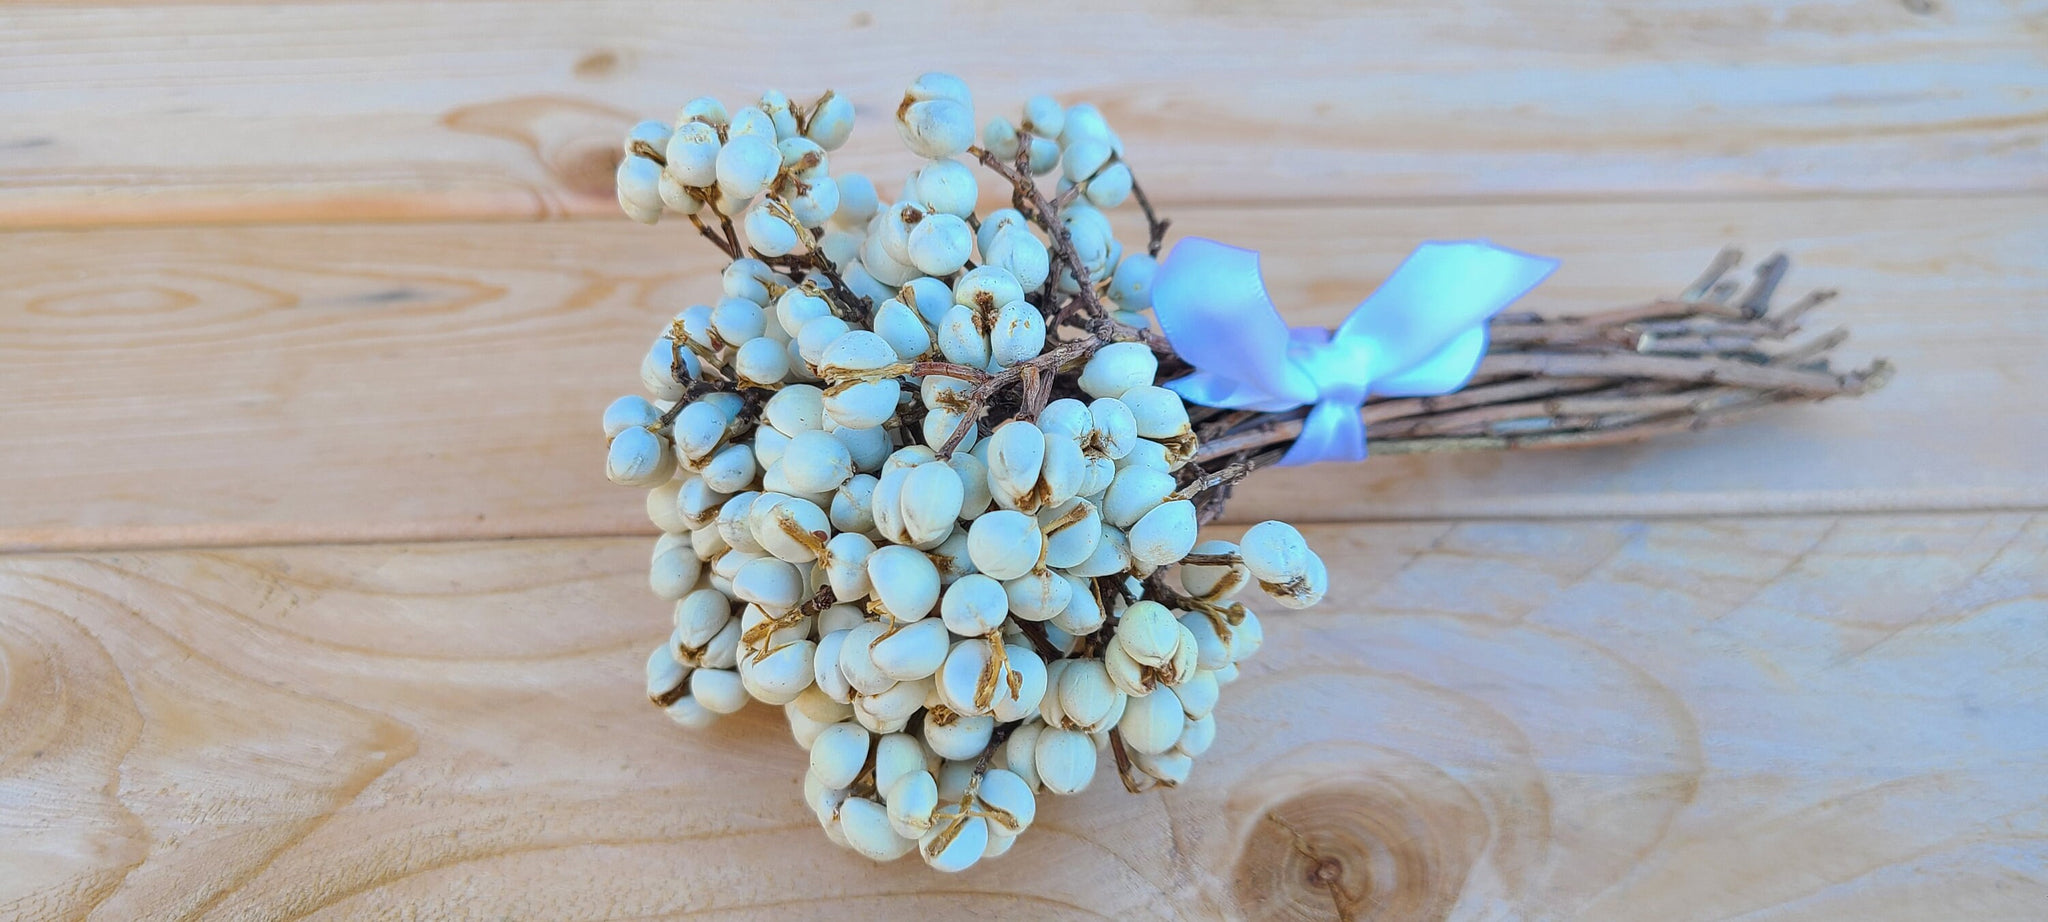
<point>1356,851</point>
<point>597,65</point>
<point>575,141</point>
<point>1327,873</point>
<point>586,166</point>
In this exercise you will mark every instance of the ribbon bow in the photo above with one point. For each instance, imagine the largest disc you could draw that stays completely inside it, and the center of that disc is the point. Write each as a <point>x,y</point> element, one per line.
<point>1422,333</point>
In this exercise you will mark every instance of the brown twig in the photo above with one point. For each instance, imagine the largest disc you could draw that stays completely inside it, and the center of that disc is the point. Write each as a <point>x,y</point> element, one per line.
<point>1062,200</point>
<point>730,250</point>
<point>967,373</point>
<point>1553,412</point>
<point>1123,762</point>
<point>1758,299</point>
<point>857,305</point>
<point>1723,261</point>
<point>730,243</point>
<point>1478,395</point>
<point>691,392</point>
<point>1705,369</point>
<point>1047,216</point>
<point>1035,632</point>
<point>1037,388</point>
<point>1203,483</point>
<point>1047,364</point>
<point>1155,225</point>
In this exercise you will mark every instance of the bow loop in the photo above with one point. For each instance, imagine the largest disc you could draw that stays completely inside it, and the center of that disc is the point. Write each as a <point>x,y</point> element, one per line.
<point>1227,322</point>
<point>1422,333</point>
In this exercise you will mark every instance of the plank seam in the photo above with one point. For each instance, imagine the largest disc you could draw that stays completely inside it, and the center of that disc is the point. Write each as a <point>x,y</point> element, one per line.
<point>1321,203</point>
<point>14,546</point>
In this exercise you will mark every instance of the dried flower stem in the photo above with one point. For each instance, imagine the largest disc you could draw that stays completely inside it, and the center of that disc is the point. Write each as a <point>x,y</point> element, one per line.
<point>1155,225</point>
<point>1046,364</point>
<point>1123,762</point>
<point>1203,483</point>
<point>730,250</point>
<point>858,307</point>
<point>1035,632</point>
<point>1698,369</point>
<point>1047,216</point>
<point>1037,374</point>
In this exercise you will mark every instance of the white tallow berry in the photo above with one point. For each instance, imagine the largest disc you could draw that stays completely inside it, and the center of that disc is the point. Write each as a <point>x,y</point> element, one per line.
<point>1148,632</point>
<point>867,829</point>
<point>1274,552</point>
<point>1065,760</point>
<point>936,117</point>
<point>905,582</point>
<point>831,121</point>
<point>913,652</point>
<point>1165,534</point>
<point>838,754</point>
<point>1004,544</point>
<point>639,458</point>
<point>1118,367</point>
<point>1152,723</point>
<point>956,841</point>
<point>639,181</point>
<point>746,165</point>
<point>947,187</point>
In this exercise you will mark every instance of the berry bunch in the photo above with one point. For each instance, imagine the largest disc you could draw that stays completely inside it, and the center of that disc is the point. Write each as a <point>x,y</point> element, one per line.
<point>956,544</point>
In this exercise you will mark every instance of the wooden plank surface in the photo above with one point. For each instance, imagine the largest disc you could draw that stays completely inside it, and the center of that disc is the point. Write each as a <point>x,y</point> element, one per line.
<point>270,291</point>
<point>181,112</point>
<point>1774,719</point>
<point>239,386</point>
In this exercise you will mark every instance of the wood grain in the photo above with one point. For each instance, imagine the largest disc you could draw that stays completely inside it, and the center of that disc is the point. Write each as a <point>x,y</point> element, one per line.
<point>297,384</point>
<point>1788,718</point>
<point>183,112</point>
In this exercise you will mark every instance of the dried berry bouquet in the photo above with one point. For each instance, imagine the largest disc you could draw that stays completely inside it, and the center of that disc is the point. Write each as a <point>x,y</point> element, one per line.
<point>921,483</point>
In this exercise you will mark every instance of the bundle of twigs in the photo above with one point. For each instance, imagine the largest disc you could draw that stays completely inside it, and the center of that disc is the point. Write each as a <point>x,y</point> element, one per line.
<point>1716,352</point>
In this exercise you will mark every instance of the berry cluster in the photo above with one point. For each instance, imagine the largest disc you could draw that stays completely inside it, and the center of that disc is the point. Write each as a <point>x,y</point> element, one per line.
<point>899,502</point>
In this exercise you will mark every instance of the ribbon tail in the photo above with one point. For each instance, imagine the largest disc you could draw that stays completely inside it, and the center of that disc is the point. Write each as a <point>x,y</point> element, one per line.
<point>1439,294</point>
<point>1212,305</point>
<point>1333,431</point>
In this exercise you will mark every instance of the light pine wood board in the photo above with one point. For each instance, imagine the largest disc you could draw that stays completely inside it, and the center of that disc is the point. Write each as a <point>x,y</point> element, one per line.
<point>181,112</point>
<point>1764,719</point>
<point>294,384</point>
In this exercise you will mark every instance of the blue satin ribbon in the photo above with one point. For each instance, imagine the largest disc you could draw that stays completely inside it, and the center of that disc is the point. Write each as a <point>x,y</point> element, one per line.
<point>1422,333</point>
